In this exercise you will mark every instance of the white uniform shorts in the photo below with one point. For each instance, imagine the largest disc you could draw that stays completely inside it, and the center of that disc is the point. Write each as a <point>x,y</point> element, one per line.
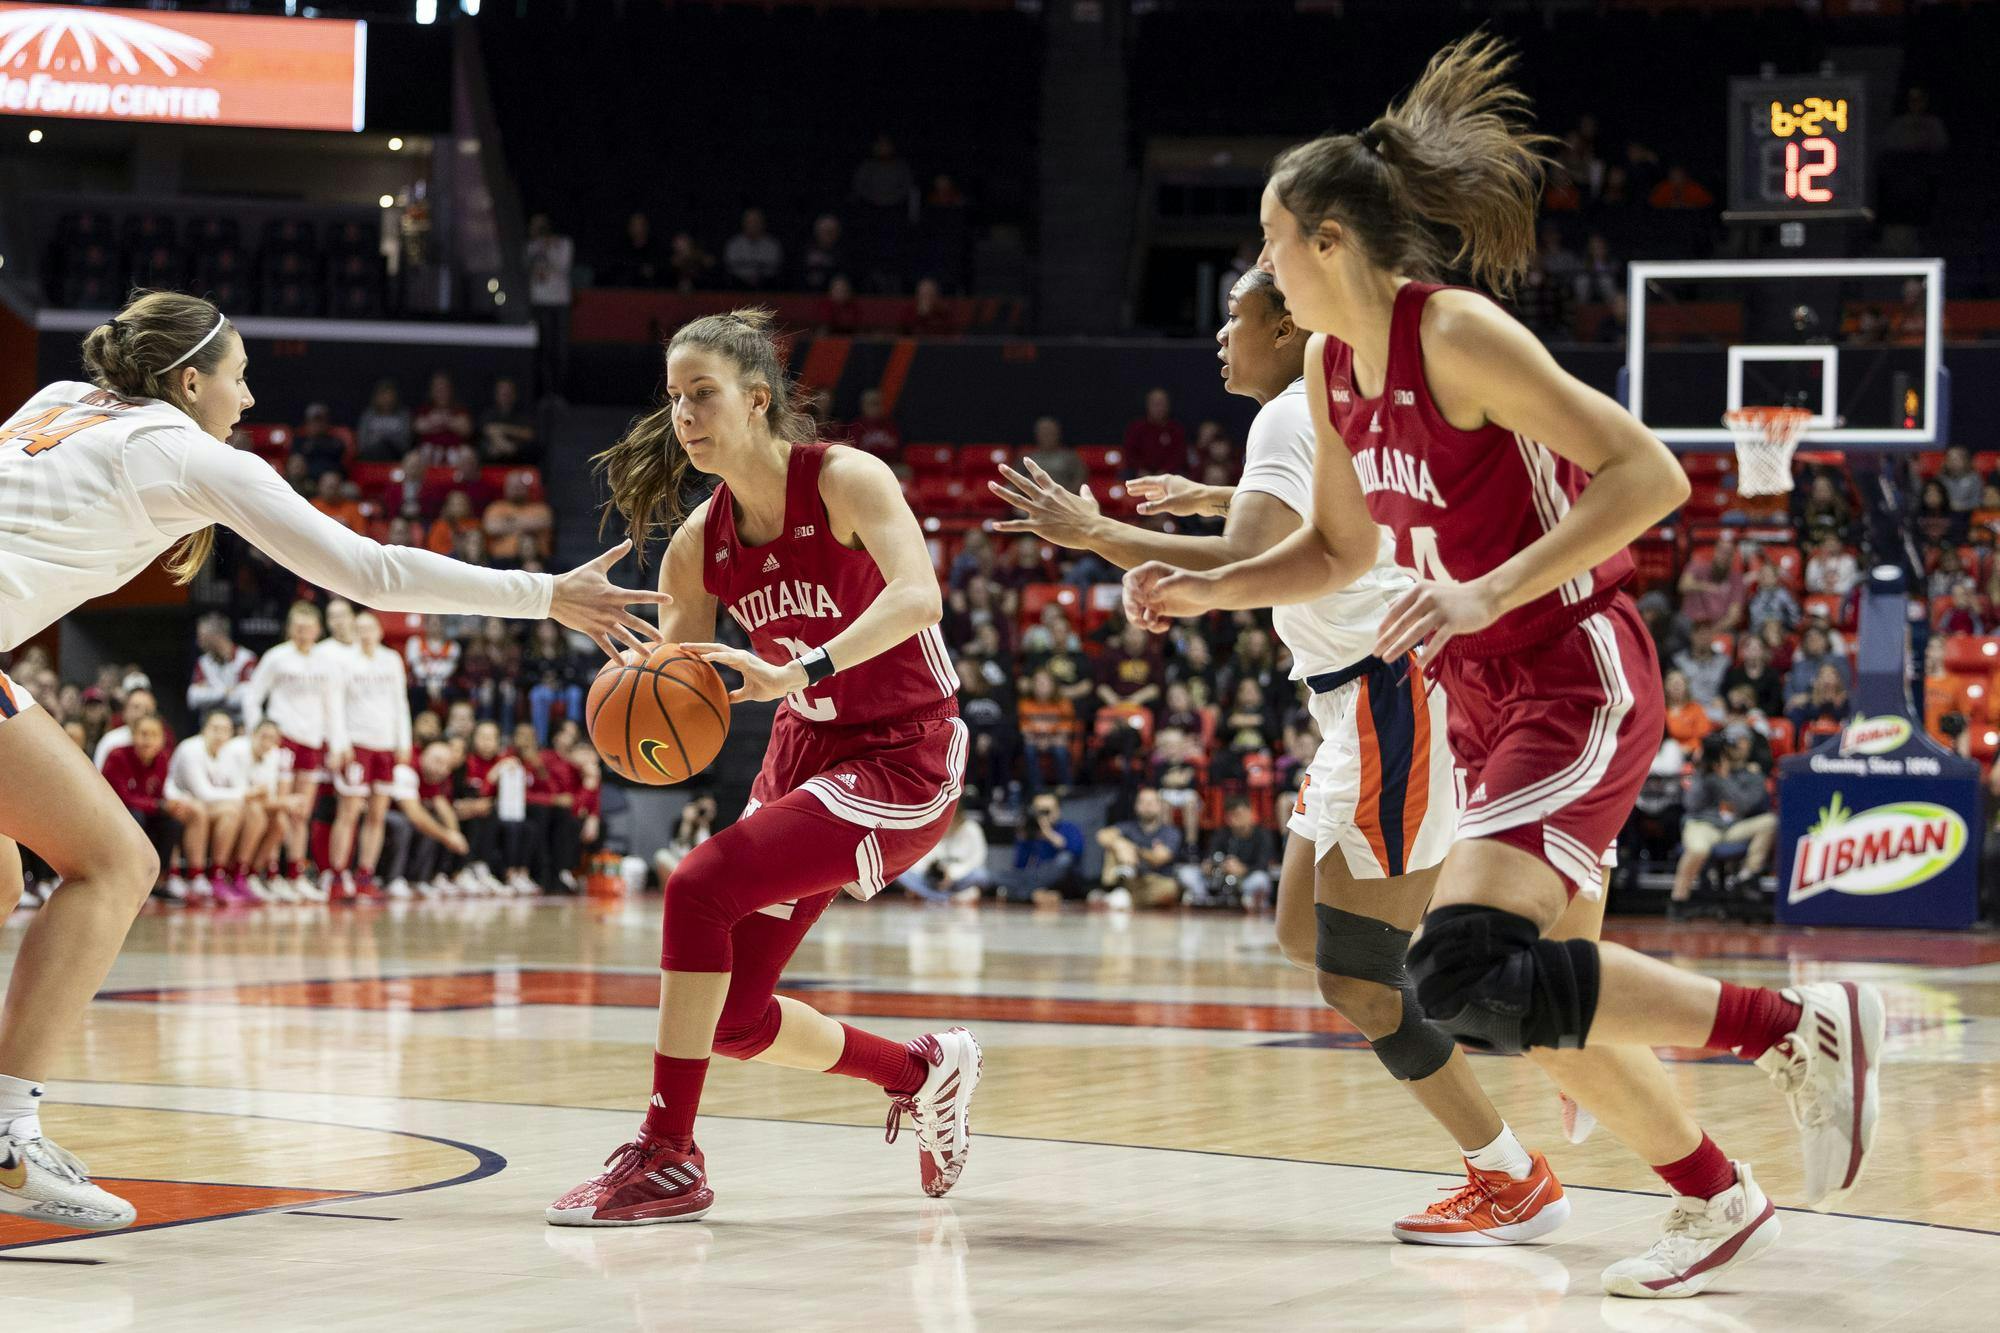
<point>1383,786</point>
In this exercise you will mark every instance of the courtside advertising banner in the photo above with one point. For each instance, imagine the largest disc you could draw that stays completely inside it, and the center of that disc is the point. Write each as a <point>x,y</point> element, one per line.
<point>181,69</point>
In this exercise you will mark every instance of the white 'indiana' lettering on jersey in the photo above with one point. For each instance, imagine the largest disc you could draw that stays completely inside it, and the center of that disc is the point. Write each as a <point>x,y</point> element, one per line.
<point>1382,469</point>
<point>788,597</point>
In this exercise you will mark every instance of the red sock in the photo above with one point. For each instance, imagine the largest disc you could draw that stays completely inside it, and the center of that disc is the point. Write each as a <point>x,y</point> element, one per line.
<point>1702,1174</point>
<point>676,1097</point>
<point>1749,1020</point>
<point>887,1064</point>
<point>294,868</point>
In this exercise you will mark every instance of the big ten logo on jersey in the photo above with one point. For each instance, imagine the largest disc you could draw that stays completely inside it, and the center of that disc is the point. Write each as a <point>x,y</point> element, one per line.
<point>776,601</point>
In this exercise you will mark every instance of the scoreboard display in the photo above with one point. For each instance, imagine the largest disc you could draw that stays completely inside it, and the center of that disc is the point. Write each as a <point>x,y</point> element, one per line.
<point>1797,146</point>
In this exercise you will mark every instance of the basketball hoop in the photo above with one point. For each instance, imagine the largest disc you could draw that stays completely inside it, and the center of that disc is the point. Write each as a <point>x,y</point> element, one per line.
<point>1765,439</point>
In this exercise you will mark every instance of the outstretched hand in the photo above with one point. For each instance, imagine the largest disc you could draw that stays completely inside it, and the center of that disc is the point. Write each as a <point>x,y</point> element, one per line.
<point>1049,511</point>
<point>586,599</point>
<point>1168,494</point>
<point>761,680</point>
<point>1156,594</point>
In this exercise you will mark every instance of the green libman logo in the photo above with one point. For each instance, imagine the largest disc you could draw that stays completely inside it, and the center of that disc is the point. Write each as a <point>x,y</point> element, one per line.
<point>1884,850</point>
<point>1875,735</point>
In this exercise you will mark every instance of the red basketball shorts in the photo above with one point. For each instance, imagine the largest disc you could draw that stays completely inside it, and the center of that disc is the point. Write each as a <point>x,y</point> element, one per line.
<point>1556,740</point>
<point>303,761</point>
<point>899,781</point>
<point>366,773</point>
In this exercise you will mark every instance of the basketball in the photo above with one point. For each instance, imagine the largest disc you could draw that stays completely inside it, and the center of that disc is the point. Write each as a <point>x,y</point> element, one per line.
<point>660,721</point>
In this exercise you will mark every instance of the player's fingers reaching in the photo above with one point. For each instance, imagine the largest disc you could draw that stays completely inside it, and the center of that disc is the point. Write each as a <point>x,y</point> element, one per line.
<point>1409,620</point>
<point>1012,497</point>
<point>645,629</point>
<point>1032,483</point>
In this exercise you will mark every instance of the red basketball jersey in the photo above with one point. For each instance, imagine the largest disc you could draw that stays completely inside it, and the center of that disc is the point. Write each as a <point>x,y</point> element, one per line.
<point>1459,502</point>
<point>797,592</point>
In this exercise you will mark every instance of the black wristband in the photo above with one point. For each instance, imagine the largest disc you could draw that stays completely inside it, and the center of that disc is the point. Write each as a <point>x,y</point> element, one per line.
<point>818,666</point>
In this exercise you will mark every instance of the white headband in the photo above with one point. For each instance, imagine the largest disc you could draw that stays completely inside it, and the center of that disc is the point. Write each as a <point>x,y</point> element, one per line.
<point>220,320</point>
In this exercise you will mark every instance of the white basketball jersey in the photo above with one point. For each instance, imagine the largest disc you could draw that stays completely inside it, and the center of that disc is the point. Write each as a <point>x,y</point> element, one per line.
<point>1338,629</point>
<point>94,488</point>
<point>257,776</point>
<point>303,693</point>
<point>378,701</point>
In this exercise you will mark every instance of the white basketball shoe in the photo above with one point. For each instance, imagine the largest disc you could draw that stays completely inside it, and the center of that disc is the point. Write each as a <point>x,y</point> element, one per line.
<point>942,1108</point>
<point>1700,1240</point>
<point>42,1183</point>
<point>1829,1069</point>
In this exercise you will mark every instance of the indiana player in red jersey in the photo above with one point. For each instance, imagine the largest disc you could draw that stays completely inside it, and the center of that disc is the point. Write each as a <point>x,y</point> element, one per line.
<point>1512,491</point>
<point>811,549</point>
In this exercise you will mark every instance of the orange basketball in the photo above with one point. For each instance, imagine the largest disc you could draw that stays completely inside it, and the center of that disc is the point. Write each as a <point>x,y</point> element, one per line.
<point>661,721</point>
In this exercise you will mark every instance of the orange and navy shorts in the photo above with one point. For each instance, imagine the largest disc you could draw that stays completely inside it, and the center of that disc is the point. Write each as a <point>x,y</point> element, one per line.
<point>1383,785</point>
<point>13,698</point>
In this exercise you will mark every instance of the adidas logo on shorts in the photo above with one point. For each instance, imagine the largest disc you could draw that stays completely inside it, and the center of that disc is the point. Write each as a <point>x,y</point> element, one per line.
<point>848,778</point>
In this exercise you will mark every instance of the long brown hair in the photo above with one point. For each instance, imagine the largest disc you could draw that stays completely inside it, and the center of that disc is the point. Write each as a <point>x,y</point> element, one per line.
<point>1447,178</point>
<point>647,468</point>
<point>131,356</point>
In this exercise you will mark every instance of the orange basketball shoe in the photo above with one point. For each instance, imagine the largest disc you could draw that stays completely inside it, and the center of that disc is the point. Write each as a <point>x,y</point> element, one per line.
<point>643,1182</point>
<point>1491,1208</point>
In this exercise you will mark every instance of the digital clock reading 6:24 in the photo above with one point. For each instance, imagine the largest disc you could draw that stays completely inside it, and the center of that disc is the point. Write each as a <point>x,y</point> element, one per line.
<point>1796,147</point>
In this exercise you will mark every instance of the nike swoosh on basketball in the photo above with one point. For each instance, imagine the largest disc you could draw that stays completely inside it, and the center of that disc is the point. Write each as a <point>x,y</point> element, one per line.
<point>1507,1215</point>
<point>14,1175</point>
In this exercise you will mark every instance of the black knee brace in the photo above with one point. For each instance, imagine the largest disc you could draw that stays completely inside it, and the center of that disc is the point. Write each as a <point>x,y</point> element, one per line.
<point>1490,980</point>
<point>1369,950</point>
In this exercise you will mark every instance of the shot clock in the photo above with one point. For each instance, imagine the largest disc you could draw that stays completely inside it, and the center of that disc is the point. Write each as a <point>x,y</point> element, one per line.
<point>1797,147</point>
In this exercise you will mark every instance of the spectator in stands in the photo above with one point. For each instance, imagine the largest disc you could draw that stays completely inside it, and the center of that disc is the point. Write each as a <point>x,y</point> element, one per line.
<point>550,260</point>
<point>1178,710</point>
<point>1194,665</point>
<point>1712,590</point>
<point>1155,444</point>
<point>875,431</point>
<point>1050,636</point>
<point>552,846</point>
<point>1601,277</point>
<point>1723,799</point>
<point>1247,725</point>
<point>1024,562</point>
<point>555,677</point>
<point>489,671</point>
<point>1130,674</point>
<point>1832,569</point>
<point>332,500</point>
<point>443,424</point>
<point>884,180</point>
<point>1826,509</point>
<point>1542,302</point>
<point>1255,657</point>
<point>300,477</point>
<point>840,312</point>
<point>383,433</point>
<point>987,708</point>
<point>1962,485</point>
<point>695,826</point>
<point>1704,668</point>
<point>455,518</point>
<point>515,515</point>
<point>139,703</point>
<point>1140,856</point>
<point>506,432</point>
<point>825,256</point>
<point>1063,464</point>
<point>981,605</point>
<point>1827,701</point>
<point>317,444</point>
<point>1964,615</point>
<point>689,266</point>
<point>1753,671</point>
<point>1917,129</point>
<point>221,668</point>
<point>1986,518</point>
<point>1950,569</point>
<point>753,259</point>
<point>1936,523</point>
<point>1815,651</point>
<point>929,316</point>
<point>1680,191</point>
<point>1687,720</point>
<point>1559,261</point>
<point>1237,867</point>
<point>1772,601</point>
<point>637,261</point>
<point>1748,728</point>
<point>1048,730</point>
<point>955,869</point>
<point>1176,771</point>
<point>1669,629</point>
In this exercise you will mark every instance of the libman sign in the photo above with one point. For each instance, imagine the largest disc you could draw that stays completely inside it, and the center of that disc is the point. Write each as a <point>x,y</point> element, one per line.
<point>183,69</point>
<point>1884,850</point>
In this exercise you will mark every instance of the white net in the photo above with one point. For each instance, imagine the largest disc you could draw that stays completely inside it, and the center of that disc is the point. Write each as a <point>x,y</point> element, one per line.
<point>1765,440</point>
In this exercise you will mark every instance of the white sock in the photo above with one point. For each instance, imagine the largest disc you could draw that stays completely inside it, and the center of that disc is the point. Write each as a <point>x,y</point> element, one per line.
<point>1505,1153</point>
<point>20,1104</point>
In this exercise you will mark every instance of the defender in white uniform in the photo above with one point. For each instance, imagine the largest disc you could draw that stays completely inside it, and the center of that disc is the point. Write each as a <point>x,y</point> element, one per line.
<point>1382,789</point>
<point>97,481</point>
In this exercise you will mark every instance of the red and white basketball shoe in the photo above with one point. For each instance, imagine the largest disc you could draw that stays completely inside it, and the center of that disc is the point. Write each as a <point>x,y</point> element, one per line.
<point>1829,1069</point>
<point>643,1182</point>
<point>1577,1119</point>
<point>1491,1208</point>
<point>1700,1241</point>
<point>942,1108</point>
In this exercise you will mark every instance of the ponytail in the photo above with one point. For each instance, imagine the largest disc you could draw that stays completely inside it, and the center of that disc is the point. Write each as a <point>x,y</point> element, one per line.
<point>647,470</point>
<point>1447,178</point>
<point>135,355</point>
